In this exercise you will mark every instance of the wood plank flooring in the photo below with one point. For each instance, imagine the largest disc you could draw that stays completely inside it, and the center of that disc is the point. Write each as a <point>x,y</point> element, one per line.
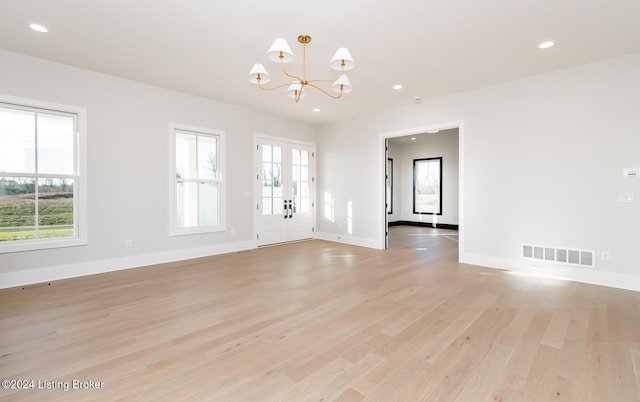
<point>320,321</point>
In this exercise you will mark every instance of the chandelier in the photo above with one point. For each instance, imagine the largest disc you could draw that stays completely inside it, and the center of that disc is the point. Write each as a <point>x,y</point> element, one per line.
<point>280,52</point>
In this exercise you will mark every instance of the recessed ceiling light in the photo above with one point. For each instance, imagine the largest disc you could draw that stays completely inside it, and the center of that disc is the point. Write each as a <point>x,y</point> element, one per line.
<point>546,45</point>
<point>397,87</point>
<point>433,131</point>
<point>38,27</point>
<point>413,138</point>
<point>316,110</point>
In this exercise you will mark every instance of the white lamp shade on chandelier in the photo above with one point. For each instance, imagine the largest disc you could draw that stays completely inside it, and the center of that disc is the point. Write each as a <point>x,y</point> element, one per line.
<point>342,84</point>
<point>342,60</point>
<point>281,53</point>
<point>296,91</point>
<point>279,48</point>
<point>258,70</point>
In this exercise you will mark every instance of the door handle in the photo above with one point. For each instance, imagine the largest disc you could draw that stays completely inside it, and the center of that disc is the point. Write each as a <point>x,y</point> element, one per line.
<point>290,209</point>
<point>286,214</point>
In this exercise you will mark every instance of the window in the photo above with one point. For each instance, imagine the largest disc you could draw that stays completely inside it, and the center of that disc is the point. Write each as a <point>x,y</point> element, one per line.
<point>427,186</point>
<point>198,201</point>
<point>42,173</point>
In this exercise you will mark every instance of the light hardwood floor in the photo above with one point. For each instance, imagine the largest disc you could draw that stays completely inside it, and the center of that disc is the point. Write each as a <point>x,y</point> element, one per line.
<point>320,321</point>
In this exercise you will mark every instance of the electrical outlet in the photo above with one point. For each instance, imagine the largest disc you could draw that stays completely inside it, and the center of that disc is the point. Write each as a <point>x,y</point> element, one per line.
<point>128,243</point>
<point>605,255</point>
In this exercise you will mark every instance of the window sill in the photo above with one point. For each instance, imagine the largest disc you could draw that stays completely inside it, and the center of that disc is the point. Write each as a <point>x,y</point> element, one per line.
<point>194,231</point>
<point>33,245</point>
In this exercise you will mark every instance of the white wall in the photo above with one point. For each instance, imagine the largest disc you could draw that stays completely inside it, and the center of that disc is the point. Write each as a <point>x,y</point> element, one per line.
<point>127,168</point>
<point>443,144</point>
<point>542,164</point>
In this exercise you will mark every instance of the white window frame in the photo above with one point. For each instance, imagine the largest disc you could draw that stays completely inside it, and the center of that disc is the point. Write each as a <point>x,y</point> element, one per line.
<point>80,237</point>
<point>174,230</point>
<point>416,163</point>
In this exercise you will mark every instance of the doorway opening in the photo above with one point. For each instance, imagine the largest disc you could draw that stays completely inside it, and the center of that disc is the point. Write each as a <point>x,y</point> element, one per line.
<point>423,184</point>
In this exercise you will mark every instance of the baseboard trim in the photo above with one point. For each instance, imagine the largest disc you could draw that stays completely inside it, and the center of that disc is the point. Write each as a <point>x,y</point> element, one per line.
<point>424,224</point>
<point>577,274</point>
<point>345,239</point>
<point>50,274</point>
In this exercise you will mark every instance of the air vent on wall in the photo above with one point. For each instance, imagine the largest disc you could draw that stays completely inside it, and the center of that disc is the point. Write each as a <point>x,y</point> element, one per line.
<point>557,255</point>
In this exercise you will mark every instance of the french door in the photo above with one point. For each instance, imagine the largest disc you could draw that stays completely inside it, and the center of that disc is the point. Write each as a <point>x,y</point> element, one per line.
<point>285,188</point>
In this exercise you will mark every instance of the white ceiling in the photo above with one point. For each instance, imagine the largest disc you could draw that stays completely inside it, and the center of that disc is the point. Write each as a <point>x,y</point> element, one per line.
<point>431,47</point>
<point>417,139</point>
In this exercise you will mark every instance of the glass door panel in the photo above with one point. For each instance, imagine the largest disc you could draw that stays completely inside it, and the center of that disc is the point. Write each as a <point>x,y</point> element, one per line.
<point>300,180</point>
<point>272,180</point>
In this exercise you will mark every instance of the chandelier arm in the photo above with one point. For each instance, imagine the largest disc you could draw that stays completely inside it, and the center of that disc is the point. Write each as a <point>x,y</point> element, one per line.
<point>276,87</point>
<point>284,71</point>
<point>310,81</point>
<point>325,92</point>
<point>329,80</point>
